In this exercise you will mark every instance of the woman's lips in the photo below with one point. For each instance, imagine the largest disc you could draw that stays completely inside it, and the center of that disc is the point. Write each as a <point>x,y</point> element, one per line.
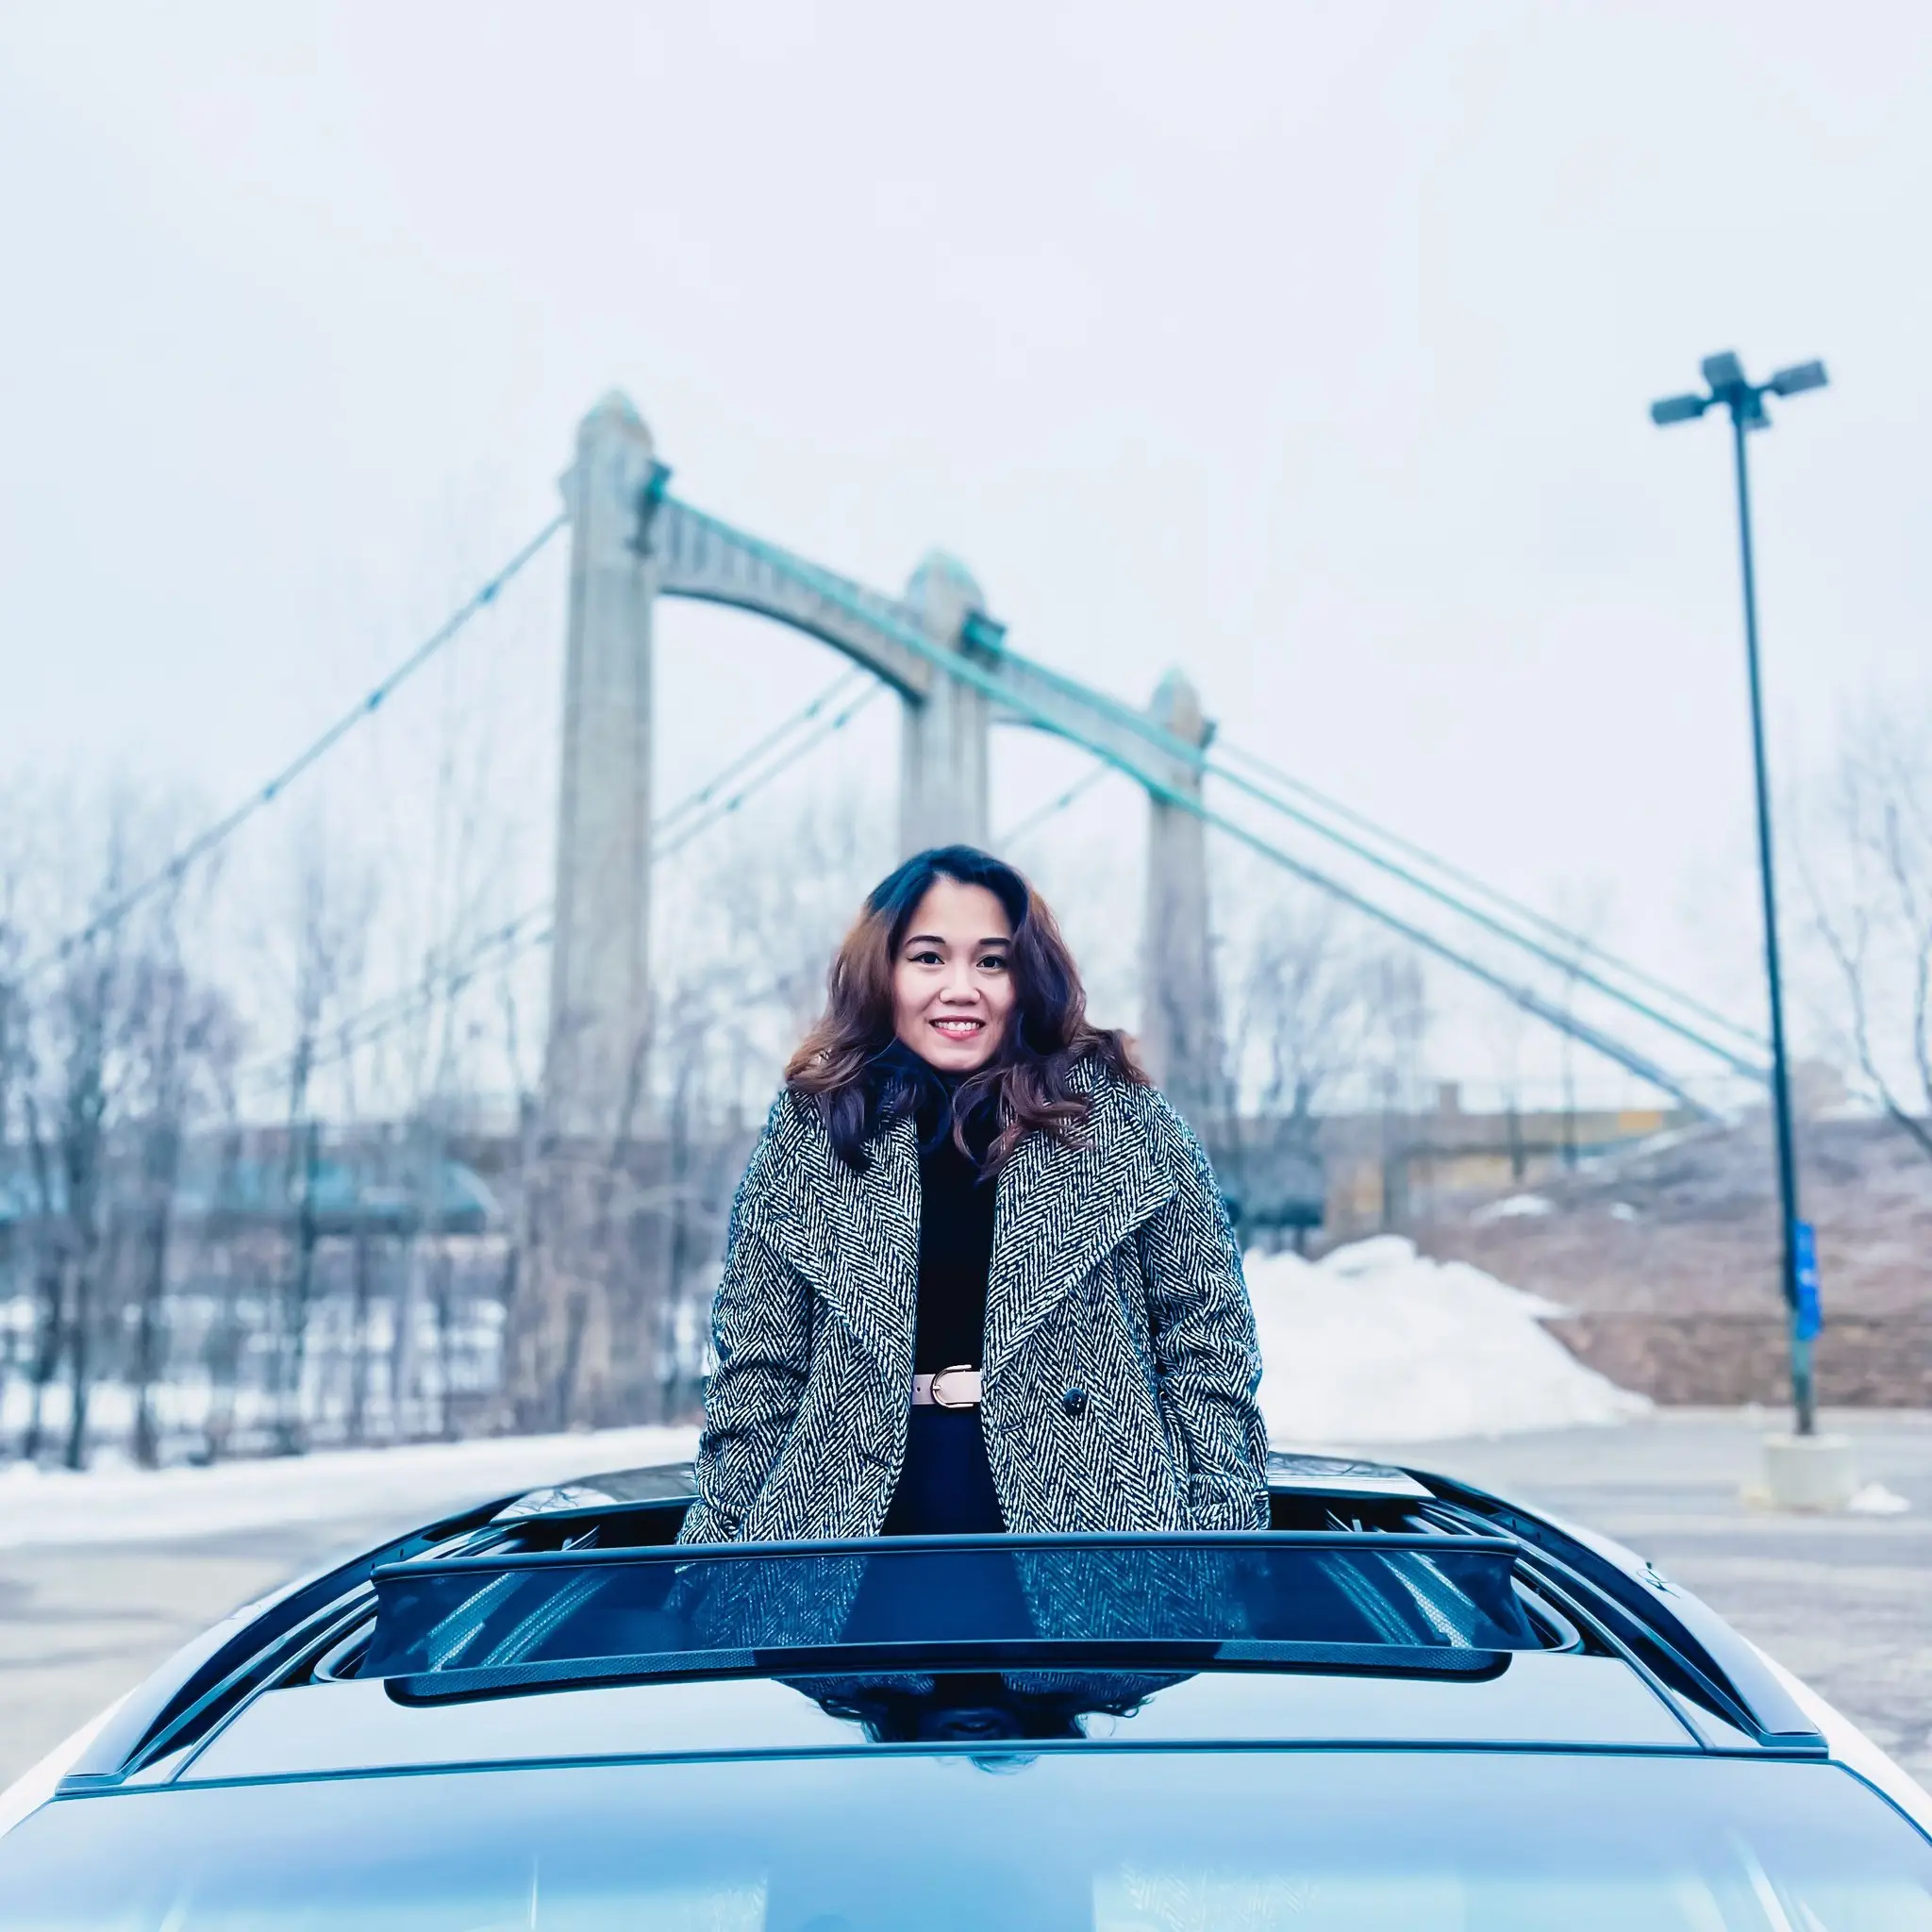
<point>958,1028</point>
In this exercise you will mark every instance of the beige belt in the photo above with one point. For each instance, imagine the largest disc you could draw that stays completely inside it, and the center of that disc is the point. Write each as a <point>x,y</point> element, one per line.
<point>957,1388</point>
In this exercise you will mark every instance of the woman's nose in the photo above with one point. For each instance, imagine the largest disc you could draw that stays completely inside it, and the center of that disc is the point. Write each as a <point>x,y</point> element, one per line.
<point>959,984</point>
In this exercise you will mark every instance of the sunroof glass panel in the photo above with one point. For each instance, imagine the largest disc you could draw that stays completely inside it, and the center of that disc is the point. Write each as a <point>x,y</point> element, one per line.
<point>1430,1593</point>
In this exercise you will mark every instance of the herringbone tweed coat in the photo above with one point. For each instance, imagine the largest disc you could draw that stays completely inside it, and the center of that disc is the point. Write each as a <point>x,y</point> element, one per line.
<point>1121,1364</point>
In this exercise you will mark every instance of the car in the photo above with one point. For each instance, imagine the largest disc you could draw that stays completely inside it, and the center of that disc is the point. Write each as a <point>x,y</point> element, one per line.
<point>1408,1702</point>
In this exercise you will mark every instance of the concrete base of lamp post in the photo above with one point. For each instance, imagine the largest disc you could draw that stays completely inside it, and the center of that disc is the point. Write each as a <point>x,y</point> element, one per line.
<point>1809,1473</point>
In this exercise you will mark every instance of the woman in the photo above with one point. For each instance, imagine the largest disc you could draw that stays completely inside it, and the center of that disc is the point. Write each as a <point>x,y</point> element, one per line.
<point>979,1275</point>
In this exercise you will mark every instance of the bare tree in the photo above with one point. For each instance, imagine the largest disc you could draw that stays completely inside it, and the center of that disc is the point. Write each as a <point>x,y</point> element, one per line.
<point>160,1049</point>
<point>771,898</point>
<point>224,1341</point>
<point>522,1261</point>
<point>1584,909</point>
<point>331,910</point>
<point>102,1054</point>
<point>49,1271</point>
<point>181,1045</point>
<point>87,1066</point>
<point>1398,1025</point>
<point>15,1046</point>
<point>361,1153</point>
<point>88,1007</point>
<point>618,1238</point>
<point>1505,1025</point>
<point>1299,1009</point>
<point>16,1065</point>
<point>1872,913</point>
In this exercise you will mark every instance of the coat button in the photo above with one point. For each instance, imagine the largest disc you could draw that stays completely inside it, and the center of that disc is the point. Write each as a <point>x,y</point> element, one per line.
<point>1074,1401</point>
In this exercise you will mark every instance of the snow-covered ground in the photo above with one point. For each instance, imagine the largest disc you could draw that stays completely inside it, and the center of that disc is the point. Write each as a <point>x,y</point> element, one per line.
<point>406,1485</point>
<point>1374,1344</point>
<point>1377,1343</point>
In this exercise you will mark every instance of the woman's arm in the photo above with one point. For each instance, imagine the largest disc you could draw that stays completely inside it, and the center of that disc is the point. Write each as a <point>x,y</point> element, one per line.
<point>761,1334</point>
<point>1203,1331</point>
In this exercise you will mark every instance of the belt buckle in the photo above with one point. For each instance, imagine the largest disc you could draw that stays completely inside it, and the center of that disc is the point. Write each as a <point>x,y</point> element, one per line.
<point>934,1387</point>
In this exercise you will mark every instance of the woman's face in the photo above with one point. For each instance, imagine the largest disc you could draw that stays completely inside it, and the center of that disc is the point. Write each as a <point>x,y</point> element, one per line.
<point>952,989</point>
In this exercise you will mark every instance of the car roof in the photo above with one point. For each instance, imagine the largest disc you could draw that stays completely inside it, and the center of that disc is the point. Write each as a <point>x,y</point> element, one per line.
<point>1544,1702</point>
<point>1619,1659</point>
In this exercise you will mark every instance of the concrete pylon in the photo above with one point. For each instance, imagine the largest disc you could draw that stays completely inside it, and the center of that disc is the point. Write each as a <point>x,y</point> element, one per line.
<point>600,948</point>
<point>1180,1017</point>
<point>942,759</point>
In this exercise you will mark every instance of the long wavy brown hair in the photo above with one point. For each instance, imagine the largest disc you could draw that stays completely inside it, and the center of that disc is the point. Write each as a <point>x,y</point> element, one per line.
<point>853,1068</point>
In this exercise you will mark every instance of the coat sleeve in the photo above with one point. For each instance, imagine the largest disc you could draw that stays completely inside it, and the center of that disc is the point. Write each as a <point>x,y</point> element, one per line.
<point>1202,1326</point>
<point>761,1337</point>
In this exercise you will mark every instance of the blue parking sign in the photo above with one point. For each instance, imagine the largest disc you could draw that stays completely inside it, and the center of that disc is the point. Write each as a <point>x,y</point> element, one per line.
<point>1809,1318</point>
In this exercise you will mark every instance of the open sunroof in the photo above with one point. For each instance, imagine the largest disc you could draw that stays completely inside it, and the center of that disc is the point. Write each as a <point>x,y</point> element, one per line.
<point>471,1626</point>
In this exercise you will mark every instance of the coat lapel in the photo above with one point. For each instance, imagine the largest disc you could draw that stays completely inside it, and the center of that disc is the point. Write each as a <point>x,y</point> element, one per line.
<point>1062,1212</point>
<point>855,1235</point>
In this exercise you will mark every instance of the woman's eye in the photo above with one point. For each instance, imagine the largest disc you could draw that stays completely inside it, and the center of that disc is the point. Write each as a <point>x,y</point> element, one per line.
<point>995,963</point>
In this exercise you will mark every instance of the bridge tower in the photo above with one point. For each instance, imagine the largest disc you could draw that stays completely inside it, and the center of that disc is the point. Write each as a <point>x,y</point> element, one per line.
<point>1180,1022</point>
<point>601,926</point>
<point>945,734</point>
<point>946,658</point>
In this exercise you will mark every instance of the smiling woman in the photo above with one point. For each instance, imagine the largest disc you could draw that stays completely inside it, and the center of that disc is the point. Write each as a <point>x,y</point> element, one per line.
<point>952,989</point>
<point>979,1275</point>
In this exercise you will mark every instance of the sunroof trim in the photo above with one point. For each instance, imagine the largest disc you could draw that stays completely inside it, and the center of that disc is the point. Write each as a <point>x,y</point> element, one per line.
<point>940,1656</point>
<point>1355,1542</point>
<point>1351,1478</point>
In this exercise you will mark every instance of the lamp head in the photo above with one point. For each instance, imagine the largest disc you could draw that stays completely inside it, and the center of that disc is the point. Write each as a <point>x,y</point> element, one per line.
<point>1678,409</point>
<point>1797,380</point>
<point>1724,370</point>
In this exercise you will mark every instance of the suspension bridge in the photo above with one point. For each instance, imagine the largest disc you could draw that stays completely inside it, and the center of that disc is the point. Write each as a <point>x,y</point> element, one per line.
<point>946,660</point>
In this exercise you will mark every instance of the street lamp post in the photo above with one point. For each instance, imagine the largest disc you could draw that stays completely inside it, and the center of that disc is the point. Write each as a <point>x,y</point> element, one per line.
<point>1745,399</point>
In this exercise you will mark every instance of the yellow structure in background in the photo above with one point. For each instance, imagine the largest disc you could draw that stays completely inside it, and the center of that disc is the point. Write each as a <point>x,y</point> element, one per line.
<point>1384,1170</point>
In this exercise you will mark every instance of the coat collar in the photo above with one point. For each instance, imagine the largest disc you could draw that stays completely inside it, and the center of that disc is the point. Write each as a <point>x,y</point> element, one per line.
<point>1064,1210</point>
<point>1060,1210</point>
<point>855,1232</point>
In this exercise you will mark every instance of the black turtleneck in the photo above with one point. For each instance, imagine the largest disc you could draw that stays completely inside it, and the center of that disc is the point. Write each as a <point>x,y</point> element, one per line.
<point>946,1486</point>
<point>954,1239</point>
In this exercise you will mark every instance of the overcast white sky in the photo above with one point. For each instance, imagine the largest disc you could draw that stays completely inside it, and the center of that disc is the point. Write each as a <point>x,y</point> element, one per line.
<point>1307,346</point>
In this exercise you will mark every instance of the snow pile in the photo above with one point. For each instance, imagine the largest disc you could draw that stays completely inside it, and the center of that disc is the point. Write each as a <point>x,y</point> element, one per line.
<point>1377,1343</point>
<point>1374,1343</point>
<point>1515,1207</point>
<point>405,1485</point>
<point>1874,1499</point>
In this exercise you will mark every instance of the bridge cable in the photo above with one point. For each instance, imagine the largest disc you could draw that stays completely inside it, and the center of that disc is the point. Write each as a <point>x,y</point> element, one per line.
<point>1582,946</point>
<point>847,680</point>
<point>836,591</point>
<point>1523,997</point>
<point>206,842</point>
<point>1571,968</point>
<point>681,835</point>
<point>393,1009</point>
<point>1034,820</point>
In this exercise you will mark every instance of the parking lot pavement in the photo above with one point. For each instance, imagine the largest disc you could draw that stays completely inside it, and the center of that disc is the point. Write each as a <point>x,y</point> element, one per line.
<point>80,1624</point>
<point>1842,1600</point>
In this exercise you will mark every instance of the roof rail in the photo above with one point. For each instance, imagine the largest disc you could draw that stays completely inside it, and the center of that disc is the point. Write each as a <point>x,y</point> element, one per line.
<point>1674,1638</point>
<point>202,1682</point>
